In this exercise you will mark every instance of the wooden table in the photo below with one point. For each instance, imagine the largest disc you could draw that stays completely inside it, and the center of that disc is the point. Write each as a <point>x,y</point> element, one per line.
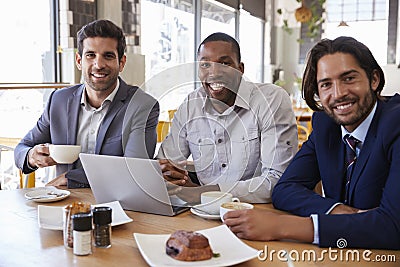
<point>8,86</point>
<point>23,243</point>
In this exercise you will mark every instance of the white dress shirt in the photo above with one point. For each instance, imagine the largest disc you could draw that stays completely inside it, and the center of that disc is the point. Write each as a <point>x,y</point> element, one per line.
<point>90,119</point>
<point>244,149</point>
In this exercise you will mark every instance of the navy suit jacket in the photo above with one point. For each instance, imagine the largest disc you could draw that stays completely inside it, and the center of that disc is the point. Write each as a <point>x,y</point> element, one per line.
<point>375,184</point>
<point>128,129</point>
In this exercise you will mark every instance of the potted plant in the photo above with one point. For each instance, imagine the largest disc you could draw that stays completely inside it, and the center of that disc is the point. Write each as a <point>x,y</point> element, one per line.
<point>308,15</point>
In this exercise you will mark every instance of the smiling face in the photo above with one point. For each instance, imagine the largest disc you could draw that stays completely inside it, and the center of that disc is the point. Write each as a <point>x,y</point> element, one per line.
<point>344,90</point>
<point>220,72</point>
<point>99,63</point>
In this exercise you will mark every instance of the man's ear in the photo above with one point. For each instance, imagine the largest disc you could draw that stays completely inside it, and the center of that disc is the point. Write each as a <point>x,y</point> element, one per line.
<point>375,80</point>
<point>78,61</point>
<point>122,63</point>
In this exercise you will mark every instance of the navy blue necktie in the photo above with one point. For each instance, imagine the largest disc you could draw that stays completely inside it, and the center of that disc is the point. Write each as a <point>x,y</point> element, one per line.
<point>351,157</point>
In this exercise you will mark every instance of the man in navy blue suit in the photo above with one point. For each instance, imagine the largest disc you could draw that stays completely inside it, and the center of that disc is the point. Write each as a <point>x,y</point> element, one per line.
<point>342,83</point>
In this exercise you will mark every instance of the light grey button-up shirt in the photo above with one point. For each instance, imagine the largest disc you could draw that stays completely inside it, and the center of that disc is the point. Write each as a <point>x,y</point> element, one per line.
<point>245,149</point>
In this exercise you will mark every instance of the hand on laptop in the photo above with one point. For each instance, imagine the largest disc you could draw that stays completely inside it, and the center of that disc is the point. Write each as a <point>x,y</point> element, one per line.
<point>175,173</point>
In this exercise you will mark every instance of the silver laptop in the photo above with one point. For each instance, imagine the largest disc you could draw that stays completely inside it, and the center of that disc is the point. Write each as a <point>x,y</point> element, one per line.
<point>136,183</point>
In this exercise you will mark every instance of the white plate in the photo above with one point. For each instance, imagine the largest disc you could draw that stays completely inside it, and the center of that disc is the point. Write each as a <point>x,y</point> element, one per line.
<point>45,194</point>
<point>118,215</point>
<point>204,215</point>
<point>51,217</point>
<point>231,249</point>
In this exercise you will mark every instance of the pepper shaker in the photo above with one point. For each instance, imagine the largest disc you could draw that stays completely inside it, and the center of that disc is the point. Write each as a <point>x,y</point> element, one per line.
<point>102,226</point>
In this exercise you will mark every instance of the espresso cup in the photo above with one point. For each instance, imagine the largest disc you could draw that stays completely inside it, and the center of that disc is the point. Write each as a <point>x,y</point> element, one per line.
<point>212,200</point>
<point>229,206</point>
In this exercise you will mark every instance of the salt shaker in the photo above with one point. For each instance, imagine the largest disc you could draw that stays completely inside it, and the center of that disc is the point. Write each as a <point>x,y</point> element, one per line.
<point>102,227</point>
<point>82,233</point>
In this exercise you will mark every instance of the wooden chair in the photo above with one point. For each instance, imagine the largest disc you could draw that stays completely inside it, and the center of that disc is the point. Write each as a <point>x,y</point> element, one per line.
<point>27,180</point>
<point>7,145</point>
<point>162,130</point>
<point>303,134</point>
<point>164,126</point>
<point>304,117</point>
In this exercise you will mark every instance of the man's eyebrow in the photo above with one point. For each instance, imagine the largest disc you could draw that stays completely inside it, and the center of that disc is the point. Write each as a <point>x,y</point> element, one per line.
<point>323,80</point>
<point>348,72</point>
<point>220,58</point>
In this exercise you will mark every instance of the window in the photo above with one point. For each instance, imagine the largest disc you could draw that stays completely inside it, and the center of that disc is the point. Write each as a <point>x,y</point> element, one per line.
<point>167,43</point>
<point>360,15</point>
<point>251,40</point>
<point>217,17</point>
<point>27,55</point>
<point>355,10</point>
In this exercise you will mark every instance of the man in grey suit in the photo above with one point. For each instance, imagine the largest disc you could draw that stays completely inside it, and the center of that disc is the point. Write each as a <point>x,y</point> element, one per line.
<point>104,115</point>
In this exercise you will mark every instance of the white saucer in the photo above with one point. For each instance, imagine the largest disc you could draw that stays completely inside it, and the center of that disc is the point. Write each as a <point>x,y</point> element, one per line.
<point>47,194</point>
<point>204,215</point>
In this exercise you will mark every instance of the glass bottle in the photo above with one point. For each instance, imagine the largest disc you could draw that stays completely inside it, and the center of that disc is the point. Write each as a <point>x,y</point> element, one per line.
<point>102,226</point>
<point>82,233</point>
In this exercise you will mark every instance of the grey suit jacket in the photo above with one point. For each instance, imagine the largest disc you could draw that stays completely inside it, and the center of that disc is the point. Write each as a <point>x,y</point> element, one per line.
<point>128,129</point>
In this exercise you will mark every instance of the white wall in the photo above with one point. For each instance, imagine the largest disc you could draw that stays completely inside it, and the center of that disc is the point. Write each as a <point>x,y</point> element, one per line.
<point>110,9</point>
<point>287,46</point>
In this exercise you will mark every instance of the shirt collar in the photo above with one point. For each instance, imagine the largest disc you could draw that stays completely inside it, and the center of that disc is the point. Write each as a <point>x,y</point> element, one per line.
<point>243,95</point>
<point>361,131</point>
<point>109,98</point>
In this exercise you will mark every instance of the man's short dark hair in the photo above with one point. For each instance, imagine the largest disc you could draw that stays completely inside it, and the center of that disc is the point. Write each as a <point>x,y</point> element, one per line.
<point>220,36</point>
<point>105,29</point>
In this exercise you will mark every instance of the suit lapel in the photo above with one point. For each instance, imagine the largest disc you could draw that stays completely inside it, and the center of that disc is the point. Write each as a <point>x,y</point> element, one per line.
<point>336,168</point>
<point>73,104</point>
<point>366,150</point>
<point>115,106</point>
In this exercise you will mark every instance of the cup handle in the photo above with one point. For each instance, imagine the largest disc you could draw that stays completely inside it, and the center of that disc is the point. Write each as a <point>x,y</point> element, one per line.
<point>235,199</point>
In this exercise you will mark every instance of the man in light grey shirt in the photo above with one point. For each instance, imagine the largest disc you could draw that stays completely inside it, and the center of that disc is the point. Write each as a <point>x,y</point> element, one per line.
<point>240,135</point>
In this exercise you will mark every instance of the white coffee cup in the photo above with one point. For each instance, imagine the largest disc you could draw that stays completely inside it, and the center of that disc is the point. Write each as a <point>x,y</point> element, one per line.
<point>64,154</point>
<point>229,206</point>
<point>212,200</point>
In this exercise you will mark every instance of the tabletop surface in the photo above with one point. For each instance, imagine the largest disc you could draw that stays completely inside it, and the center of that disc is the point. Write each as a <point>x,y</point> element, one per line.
<point>4,86</point>
<point>23,243</point>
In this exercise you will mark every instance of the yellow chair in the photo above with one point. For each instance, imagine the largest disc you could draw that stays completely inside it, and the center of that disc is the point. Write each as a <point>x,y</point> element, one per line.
<point>304,115</point>
<point>164,126</point>
<point>162,130</point>
<point>303,134</point>
<point>26,180</point>
<point>171,114</point>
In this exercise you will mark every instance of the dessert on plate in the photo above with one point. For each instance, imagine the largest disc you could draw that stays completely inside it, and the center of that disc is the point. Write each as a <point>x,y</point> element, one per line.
<point>188,246</point>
